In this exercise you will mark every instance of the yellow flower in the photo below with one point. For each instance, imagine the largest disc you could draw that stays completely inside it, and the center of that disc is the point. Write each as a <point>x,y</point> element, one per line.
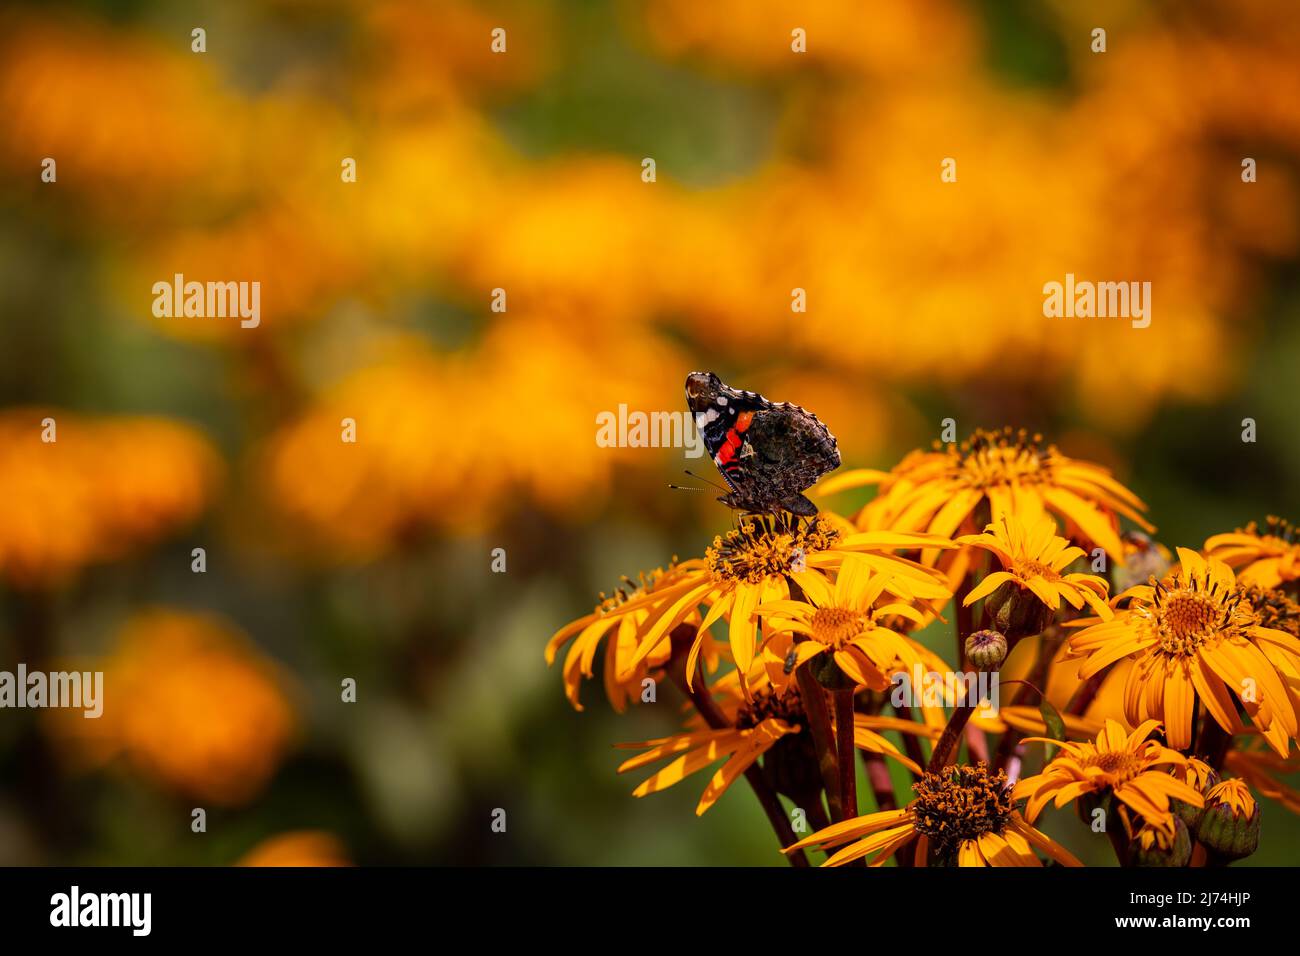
<point>1128,765</point>
<point>1234,795</point>
<point>938,491</point>
<point>134,120</point>
<point>845,619</point>
<point>624,627</point>
<point>416,468</point>
<point>1032,557</point>
<point>966,814</point>
<point>768,724</point>
<point>1263,769</point>
<point>741,746</point>
<point>1194,637</point>
<point>1275,608</point>
<point>754,564</point>
<point>100,489</point>
<point>298,848</point>
<point>1267,558</point>
<point>190,704</point>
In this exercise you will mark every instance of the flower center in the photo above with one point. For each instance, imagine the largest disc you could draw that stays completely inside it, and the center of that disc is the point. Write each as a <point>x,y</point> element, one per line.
<point>961,803</point>
<point>763,546</point>
<point>628,589</point>
<point>1026,568</point>
<point>766,704</point>
<point>836,626</point>
<point>1120,764</point>
<point>1275,609</point>
<point>991,458</point>
<point>1188,614</point>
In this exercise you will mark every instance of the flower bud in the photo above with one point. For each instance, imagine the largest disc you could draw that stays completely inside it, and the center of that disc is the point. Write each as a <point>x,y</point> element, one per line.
<point>1018,612</point>
<point>1229,827</point>
<point>1199,776</point>
<point>1153,846</point>
<point>986,650</point>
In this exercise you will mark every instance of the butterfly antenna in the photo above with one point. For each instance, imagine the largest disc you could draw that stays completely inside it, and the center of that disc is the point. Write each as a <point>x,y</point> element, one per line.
<point>707,482</point>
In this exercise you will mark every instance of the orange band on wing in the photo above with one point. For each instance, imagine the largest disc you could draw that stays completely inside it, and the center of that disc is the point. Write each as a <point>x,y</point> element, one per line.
<point>731,444</point>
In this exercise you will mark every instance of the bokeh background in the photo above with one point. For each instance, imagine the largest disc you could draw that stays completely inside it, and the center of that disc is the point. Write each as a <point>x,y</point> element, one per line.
<point>522,171</point>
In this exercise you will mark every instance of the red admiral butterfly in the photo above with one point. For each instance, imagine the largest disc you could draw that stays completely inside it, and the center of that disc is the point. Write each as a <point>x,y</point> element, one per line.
<point>767,452</point>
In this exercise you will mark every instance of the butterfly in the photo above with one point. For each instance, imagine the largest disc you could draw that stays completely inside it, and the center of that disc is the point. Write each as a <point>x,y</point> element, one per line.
<point>767,452</point>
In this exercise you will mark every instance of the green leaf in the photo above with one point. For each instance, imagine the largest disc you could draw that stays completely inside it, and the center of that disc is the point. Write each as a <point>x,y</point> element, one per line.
<point>1055,725</point>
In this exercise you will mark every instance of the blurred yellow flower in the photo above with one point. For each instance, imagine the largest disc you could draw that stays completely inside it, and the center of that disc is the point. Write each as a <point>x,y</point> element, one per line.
<point>191,705</point>
<point>1267,557</point>
<point>449,443</point>
<point>900,36</point>
<point>426,55</point>
<point>102,488</point>
<point>298,848</point>
<point>128,121</point>
<point>1264,770</point>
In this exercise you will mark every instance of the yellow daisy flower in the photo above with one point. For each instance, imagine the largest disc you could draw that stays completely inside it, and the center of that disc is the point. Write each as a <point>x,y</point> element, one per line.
<point>1128,765</point>
<point>939,491</point>
<point>846,619</point>
<point>1032,557</point>
<point>194,706</point>
<point>101,489</point>
<point>1194,637</point>
<point>622,621</point>
<point>966,815</point>
<point>769,724</point>
<point>1266,558</point>
<point>754,564</point>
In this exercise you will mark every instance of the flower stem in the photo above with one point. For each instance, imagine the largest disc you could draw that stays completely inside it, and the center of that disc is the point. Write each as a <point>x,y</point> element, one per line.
<point>682,637</point>
<point>844,753</point>
<point>813,697</point>
<point>1215,742</point>
<point>951,735</point>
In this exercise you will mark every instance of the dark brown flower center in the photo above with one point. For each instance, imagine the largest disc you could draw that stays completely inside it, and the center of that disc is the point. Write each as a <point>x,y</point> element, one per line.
<point>766,705</point>
<point>961,803</point>
<point>762,547</point>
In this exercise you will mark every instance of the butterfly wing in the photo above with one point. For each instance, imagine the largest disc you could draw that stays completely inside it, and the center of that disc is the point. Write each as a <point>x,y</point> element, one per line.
<point>767,452</point>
